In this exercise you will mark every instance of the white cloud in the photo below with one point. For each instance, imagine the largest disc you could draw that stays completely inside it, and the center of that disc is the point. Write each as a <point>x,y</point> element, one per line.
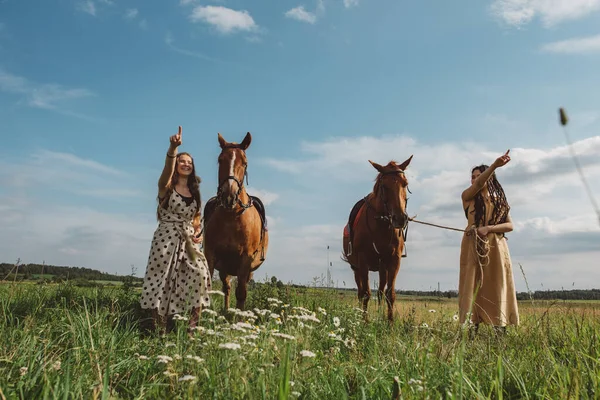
<point>88,7</point>
<point>551,211</point>
<point>556,233</point>
<point>131,13</point>
<point>350,3</point>
<point>551,12</point>
<point>300,14</point>
<point>224,20</point>
<point>48,96</point>
<point>582,45</point>
<point>265,196</point>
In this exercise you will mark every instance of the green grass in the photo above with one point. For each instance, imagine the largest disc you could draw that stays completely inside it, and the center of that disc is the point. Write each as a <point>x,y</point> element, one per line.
<point>63,342</point>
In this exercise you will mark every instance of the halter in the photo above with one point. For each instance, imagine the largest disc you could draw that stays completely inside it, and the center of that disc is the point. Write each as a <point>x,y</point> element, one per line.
<point>239,191</point>
<point>387,215</point>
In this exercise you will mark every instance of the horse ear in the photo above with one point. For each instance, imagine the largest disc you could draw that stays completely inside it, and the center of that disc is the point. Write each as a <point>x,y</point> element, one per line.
<point>246,142</point>
<point>405,163</point>
<point>222,141</point>
<point>377,166</point>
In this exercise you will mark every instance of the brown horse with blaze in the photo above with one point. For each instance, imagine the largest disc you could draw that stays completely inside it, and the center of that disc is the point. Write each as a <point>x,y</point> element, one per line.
<point>235,227</point>
<point>374,237</point>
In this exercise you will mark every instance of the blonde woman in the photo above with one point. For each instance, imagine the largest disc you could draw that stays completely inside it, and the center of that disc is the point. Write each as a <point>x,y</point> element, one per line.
<point>177,278</point>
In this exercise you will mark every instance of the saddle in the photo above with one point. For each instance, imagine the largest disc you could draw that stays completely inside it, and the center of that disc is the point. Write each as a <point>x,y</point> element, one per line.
<point>349,228</point>
<point>212,203</point>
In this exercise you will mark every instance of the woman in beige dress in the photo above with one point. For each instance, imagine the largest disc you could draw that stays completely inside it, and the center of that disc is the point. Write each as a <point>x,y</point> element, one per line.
<point>177,278</point>
<point>486,290</point>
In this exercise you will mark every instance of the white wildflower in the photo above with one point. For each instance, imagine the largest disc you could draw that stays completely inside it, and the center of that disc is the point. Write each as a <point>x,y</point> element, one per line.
<point>425,325</point>
<point>164,359</point>
<point>187,378</point>
<point>336,321</point>
<point>195,358</point>
<point>57,364</point>
<point>432,311</point>
<point>23,370</point>
<point>177,357</point>
<point>307,353</point>
<point>455,317</point>
<point>209,311</point>
<point>296,394</point>
<point>178,317</point>
<point>284,336</point>
<point>322,311</point>
<point>230,346</point>
<point>143,357</point>
<point>170,345</point>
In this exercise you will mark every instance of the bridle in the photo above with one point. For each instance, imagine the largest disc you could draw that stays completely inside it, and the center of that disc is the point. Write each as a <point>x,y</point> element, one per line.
<point>237,199</point>
<point>387,215</point>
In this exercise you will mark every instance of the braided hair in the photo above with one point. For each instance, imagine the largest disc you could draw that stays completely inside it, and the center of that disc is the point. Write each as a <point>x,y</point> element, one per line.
<point>498,198</point>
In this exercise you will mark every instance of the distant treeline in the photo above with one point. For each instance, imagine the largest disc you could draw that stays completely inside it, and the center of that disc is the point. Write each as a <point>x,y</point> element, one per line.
<point>35,271</point>
<point>575,294</point>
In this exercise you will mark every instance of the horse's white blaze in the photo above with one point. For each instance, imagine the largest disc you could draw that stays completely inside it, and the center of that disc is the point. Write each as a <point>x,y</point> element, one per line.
<point>231,167</point>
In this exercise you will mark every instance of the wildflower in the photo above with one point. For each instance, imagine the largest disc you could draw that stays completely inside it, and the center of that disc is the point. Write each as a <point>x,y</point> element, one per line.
<point>296,394</point>
<point>244,325</point>
<point>307,353</point>
<point>56,365</point>
<point>178,317</point>
<point>432,311</point>
<point>284,336</point>
<point>230,346</point>
<point>177,357</point>
<point>141,357</point>
<point>455,317</point>
<point>336,321</point>
<point>170,344</point>
<point>169,373</point>
<point>164,359</point>
<point>187,378</point>
<point>23,370</point>
<point>209,311</point>
<point>425,325</point>
<point>322,311</point>
<point>195,358</point>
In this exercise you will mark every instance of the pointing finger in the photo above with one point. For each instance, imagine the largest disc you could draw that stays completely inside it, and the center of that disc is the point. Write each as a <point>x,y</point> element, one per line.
<point>179,133</point>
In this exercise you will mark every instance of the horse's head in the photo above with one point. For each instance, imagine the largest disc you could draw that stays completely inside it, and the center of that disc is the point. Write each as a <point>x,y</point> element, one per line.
<point>232,170</point>
<point>390,192</point>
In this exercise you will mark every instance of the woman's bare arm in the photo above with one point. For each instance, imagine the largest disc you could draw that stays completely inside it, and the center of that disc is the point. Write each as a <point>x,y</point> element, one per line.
<point>169,167</point>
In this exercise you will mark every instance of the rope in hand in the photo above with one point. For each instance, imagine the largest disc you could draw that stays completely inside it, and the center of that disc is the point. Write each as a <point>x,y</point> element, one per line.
<point>563,121</point>
<point>481,248</point>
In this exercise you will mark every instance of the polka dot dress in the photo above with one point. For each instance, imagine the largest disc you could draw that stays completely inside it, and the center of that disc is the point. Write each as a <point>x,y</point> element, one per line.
<point>174,283</point>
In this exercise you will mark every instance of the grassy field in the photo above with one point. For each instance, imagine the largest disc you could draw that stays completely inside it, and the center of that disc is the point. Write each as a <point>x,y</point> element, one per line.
<point>63,342</point>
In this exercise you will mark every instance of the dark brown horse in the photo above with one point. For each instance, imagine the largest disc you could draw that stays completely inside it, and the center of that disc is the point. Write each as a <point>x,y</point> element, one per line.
<point>374,238</point>
<point>235,227</point>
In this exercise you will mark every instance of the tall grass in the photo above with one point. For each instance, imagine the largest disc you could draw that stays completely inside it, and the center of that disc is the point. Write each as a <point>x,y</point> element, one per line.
<point>63,342</point>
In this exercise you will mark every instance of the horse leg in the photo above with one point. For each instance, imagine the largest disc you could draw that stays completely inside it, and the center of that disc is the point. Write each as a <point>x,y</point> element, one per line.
<point>226,289</point>
<point>390,292</point>
<point>382,282</point>
<point>242,290</point>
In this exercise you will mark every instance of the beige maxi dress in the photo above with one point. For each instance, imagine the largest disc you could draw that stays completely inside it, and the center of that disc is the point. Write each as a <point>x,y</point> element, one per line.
<point>177,277</point>
<point>488,281</point>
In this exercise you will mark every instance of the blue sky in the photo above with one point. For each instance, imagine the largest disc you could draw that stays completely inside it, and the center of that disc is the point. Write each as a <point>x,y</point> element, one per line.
<point>90,91</point>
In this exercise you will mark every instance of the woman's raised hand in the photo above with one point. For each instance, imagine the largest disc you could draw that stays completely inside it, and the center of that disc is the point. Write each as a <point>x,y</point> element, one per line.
<point>502,160</point>
<point>176,139</point>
